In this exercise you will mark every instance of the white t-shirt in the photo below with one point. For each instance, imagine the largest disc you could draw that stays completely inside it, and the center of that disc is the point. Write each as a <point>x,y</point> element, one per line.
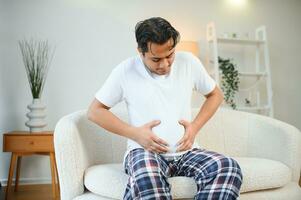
<point>153,97</point>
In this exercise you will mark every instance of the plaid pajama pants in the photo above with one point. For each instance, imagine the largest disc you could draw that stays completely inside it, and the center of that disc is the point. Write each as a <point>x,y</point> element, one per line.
<point>216,176</point>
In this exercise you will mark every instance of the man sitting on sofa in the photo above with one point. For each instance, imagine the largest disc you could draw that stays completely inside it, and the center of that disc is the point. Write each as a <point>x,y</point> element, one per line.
<point>157,85</point>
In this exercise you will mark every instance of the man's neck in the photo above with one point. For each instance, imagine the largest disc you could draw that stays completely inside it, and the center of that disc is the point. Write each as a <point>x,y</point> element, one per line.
<point>154,75</point>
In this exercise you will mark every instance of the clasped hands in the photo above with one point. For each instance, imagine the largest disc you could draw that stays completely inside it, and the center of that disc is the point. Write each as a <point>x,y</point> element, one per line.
<point>151,142</point>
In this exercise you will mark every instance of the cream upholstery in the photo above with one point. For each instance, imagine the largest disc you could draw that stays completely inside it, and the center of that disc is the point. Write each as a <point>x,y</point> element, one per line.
<point>258,174</point>
<point>268,151</point>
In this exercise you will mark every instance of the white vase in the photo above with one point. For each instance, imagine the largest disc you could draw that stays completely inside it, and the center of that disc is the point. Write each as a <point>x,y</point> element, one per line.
<point>36,116</point>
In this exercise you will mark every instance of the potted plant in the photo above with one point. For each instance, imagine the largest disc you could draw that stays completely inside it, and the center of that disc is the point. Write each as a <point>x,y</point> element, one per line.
<point>37,56</point>
<point>229,80</point>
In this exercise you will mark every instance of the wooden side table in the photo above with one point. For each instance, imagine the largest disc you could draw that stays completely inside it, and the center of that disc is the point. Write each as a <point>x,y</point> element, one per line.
<point>24,143</point>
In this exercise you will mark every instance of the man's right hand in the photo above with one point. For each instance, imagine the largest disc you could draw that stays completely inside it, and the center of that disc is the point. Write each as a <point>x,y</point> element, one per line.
<point>148,140</point>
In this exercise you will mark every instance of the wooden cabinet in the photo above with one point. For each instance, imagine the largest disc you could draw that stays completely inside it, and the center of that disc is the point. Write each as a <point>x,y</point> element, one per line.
<point>23,143</point>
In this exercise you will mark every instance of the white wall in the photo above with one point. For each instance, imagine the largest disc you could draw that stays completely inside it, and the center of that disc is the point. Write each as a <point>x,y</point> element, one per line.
<point>92,36</point>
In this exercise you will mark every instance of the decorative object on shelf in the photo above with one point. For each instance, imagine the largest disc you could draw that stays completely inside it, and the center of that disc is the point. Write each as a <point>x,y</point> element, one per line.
<point>229,80</point>
<point>225,35</point>
<point>234,35</point>
<point>247,102</point>
<point>37,56</point>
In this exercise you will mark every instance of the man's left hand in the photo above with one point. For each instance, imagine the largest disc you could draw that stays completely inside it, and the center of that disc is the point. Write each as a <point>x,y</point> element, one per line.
<point>187,140</point>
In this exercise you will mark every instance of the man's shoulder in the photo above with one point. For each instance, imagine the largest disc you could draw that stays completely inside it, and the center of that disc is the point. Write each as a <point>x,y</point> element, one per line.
<point>128,64</point>
<point>182,60</point>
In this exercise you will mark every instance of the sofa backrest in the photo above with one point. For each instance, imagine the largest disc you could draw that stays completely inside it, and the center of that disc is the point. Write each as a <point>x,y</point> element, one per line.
<point>226,132</point>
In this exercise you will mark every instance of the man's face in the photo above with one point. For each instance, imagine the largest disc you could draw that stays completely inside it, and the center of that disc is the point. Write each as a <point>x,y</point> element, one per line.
<point>160,57</point>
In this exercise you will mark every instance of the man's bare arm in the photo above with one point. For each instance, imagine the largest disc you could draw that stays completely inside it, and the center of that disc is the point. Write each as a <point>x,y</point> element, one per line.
<point>213,101</point>
<point>101,115</point>
<point>211,104</point>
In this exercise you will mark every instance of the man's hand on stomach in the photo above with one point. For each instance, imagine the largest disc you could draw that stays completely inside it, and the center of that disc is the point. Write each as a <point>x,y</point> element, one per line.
<point>187,140</point>
<point>150,141</point>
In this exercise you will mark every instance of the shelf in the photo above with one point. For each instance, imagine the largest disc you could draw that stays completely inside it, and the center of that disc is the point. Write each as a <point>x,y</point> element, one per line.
<point>252,73</point>
<point>258,74</point>
<point>239,41</point>
<point>253,108</point>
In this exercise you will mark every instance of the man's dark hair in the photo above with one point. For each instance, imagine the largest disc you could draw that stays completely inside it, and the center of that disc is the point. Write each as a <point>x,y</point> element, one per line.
<point>156,30</point>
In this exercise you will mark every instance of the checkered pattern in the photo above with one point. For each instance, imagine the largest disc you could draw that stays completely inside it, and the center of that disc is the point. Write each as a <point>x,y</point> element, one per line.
<point>216,176</point>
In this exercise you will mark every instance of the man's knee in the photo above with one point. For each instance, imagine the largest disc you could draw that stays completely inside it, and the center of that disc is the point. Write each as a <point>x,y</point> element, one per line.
<point>223,164</point>
<point>227,163</point>
<point>231,167</point>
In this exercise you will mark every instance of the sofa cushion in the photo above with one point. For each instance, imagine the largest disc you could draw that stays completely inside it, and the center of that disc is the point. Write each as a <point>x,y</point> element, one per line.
<point>259,173</point>
<point>109,180</point>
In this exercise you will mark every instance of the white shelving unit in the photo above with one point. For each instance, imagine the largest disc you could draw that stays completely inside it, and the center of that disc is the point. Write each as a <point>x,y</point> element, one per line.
<point>259,73</point>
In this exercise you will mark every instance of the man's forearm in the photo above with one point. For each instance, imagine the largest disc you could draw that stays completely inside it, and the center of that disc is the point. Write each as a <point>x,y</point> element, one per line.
<point>107,120</point>
<point>207,110</point>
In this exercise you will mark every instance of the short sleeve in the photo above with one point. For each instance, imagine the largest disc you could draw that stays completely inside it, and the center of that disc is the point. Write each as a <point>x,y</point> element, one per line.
<point>202,81</point>
<point>111,91</point>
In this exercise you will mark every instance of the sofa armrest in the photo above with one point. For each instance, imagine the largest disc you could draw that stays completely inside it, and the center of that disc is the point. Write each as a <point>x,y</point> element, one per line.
<point>71,157</point>
<point>274,139</point>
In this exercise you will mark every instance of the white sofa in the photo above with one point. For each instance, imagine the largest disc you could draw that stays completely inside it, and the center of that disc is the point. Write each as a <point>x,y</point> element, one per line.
<point>268,151</point>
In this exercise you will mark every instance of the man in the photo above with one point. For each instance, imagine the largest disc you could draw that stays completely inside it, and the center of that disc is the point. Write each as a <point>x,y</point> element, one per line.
<point>157,86</point>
